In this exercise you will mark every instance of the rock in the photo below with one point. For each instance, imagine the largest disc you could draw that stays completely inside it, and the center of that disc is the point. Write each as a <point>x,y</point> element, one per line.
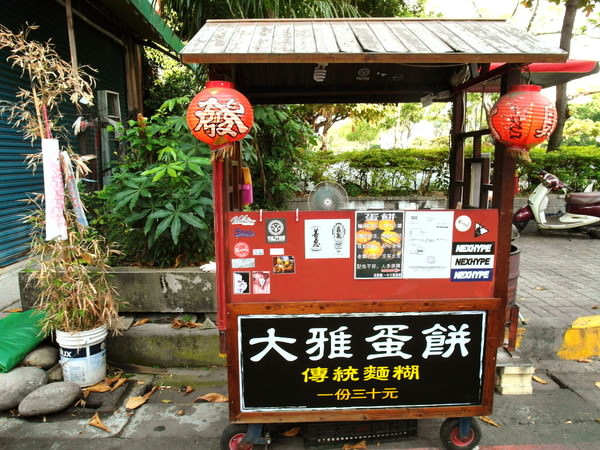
<point>48,399</point>
<point>18,383</point>
<point>44,357</point>
<point>55,373</point>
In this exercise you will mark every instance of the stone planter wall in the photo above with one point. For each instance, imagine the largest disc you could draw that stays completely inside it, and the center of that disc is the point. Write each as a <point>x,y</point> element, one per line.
<point>154,290</point>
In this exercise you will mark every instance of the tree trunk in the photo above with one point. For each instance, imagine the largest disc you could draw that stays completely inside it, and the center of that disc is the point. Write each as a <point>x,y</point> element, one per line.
<point>566,34</point>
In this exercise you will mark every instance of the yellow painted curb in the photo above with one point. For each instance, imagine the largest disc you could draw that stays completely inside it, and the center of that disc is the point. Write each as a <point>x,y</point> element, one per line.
<point>582,340</point>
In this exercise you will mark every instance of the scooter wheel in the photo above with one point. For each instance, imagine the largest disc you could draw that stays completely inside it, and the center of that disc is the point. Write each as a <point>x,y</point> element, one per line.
<point>520,225</point>
<point>451,439</point>
<point>595,233</point>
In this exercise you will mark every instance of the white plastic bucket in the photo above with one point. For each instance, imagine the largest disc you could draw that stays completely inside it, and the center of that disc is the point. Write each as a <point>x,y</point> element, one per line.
<point>83,355</point>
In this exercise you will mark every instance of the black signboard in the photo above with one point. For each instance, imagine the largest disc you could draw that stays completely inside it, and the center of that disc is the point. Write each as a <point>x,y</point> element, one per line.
<point>361,360</point>
<point>378,241</point>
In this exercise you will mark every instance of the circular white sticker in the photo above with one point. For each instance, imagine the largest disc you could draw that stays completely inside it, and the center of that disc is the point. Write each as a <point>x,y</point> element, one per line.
<point>462,223</point>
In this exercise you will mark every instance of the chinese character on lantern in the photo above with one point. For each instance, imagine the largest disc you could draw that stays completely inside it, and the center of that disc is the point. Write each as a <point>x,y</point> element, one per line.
<point>522,118</point>
<point>219,115</point>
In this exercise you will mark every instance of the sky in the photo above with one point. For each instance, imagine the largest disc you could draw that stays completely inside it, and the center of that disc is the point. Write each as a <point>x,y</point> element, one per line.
<point>548,22</point>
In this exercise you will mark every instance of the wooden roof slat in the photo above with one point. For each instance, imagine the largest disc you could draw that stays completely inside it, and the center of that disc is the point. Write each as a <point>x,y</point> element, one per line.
<point>483,34</point>
<point>220,39</point>
<point>240,41</point>
<point>387,37</point>
<point>324,38</point>
<point>345,38</point>
<point>475,40</point>
<point>283,38</point>
<point>412,43</point>
<point>456,42</point>
<point>428,38</point>
<point>520,39</point>
<point>304,41</point>
<point>196,45</point>
<point>367,39</point>
<point>262,39</point>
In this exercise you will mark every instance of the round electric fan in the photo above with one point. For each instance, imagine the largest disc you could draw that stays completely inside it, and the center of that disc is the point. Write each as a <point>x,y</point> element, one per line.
<point>327,196</point>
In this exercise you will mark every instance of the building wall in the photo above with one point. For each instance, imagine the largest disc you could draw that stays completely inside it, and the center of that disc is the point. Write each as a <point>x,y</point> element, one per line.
<point>95,49</point>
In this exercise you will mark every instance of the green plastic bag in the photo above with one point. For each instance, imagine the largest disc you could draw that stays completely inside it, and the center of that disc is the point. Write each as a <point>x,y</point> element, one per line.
<point>19,334</point>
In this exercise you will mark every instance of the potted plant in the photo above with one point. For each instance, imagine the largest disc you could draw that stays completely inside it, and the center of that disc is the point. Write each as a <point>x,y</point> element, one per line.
<point>70,275</point>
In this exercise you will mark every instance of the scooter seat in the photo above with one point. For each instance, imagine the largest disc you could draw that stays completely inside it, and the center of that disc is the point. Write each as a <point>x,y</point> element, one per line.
<point>583,198</point>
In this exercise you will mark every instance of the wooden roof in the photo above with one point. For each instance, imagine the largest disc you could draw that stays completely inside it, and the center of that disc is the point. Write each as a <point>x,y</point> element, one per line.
<point>417,56</point>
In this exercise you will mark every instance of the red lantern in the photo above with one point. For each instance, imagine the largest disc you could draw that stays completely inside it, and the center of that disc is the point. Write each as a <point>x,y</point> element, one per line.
<point>219,115</point>
<point>522,118</point>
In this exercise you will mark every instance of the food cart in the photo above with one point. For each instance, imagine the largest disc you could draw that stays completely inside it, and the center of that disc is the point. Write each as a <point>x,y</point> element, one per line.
<point>377,317</point>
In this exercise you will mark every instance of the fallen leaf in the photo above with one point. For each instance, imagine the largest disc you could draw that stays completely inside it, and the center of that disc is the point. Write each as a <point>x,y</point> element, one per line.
<point>135,402</point>
<point>137,323</point>
<point>358,446</point>
<point>164,400</point>
<point>489,421</point>
<point>595,307</point>
<point>181,412</point>
<point>212,397</point>
<point>96,422</point>
<point>140,382</point>
<point>539,380</point>
<point>111,380</point>
<point>13,310</point>
<point>120,382</point>
<point>597,384</point>
<point>584,360</point>
<point>148,394</point>
<point>176,323</point>
<point>291,432</point>
<point>188,389</point>
<point>99,387</point>
<point>540,288</point>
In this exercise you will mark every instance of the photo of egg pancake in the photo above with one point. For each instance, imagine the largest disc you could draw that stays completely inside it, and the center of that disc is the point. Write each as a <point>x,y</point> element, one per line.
<point>378,241</point>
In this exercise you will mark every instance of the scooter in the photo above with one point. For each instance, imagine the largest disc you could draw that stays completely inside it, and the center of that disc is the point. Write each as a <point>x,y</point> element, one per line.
<point>582,208</point>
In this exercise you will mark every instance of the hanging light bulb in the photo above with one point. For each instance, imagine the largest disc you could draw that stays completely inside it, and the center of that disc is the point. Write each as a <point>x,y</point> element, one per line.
<point>320,73</point>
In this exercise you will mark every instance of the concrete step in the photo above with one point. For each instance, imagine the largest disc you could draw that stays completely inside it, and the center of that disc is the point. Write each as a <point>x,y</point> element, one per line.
<point>157,343</point>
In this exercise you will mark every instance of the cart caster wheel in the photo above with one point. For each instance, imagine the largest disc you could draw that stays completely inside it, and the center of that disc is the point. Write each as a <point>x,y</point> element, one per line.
<point>232,437</point>
<point>450,435</point>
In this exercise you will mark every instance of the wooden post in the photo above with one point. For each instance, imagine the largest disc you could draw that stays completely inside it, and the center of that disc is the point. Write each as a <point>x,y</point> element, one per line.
<point>504,173</point>
<point>71,34</point>
<point>457,151</point>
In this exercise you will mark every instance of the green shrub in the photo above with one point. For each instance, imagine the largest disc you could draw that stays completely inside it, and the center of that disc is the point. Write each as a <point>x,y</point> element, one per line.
<point>158,206</point>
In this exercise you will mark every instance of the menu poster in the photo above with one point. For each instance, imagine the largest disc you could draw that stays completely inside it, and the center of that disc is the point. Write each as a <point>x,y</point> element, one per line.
<point>378,241</point>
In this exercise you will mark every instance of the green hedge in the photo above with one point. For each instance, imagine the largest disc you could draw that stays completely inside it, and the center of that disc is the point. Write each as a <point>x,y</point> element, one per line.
<point>423,172</point>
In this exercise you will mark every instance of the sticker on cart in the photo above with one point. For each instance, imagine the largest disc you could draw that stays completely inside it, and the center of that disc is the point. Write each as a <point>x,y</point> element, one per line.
<point>378,244</point>
<point>261,282</point>
<point>241,249</point>
<point>480,230</point>
<point>284,264</point>
<point>276,231</point>
<point>241,282</point>
<point>327,238</point>
<point>463,223</point>
<point>276,251</point>
<point>243,263</point>
<point>258,251</point>
<point>472,261</point>
<point>244,220</point>
<point>239,232</point>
